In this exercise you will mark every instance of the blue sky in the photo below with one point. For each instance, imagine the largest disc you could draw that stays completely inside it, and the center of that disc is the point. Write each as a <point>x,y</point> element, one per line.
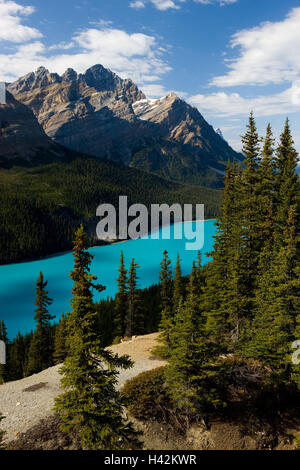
<point>224,56</point>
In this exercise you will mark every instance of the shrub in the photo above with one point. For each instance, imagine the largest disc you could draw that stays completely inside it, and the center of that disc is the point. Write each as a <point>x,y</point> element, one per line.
<point>147,396</point>
<point>297,440</point>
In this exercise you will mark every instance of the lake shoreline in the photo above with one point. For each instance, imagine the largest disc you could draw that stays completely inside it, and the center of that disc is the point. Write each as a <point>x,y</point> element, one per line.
<point>105,243</point>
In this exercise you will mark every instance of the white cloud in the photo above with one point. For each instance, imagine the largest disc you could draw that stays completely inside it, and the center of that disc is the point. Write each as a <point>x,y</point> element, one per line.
<point>159,4</point>
<point>175,4</point>
<point>154,90</point>
<point>62,46</point>
<point>221,2</point>
<point>137,56</point>
<point>138,4</point>
<point>223,104</point>
<point>11,27</point>
<point>269,53</point>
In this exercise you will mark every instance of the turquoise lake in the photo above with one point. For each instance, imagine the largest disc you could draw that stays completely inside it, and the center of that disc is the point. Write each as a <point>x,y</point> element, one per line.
<point>17,281</point>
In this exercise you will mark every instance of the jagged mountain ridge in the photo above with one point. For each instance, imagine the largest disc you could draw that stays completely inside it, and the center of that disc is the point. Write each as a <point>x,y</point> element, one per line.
<point>102,115</point>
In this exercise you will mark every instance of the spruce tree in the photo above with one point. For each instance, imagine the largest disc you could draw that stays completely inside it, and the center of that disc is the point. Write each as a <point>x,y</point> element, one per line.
<point>91,406</point>
<point>60,347</point>
<point>165,280</point>
<point>265,186</point>
<point>250,214</point>
<point>134,321</point>
<point>121,301</point>
<point>278,304</point>
<point>41,349</point>
<point>178,292</point>
<point>167,313</point>
<point>189,374</point>
<point>225,296</point>
<point>287,184</point>
<point>266,198</point>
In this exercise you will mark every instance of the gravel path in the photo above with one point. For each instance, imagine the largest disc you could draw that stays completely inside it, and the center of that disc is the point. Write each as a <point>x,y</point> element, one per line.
<point>25,402</point>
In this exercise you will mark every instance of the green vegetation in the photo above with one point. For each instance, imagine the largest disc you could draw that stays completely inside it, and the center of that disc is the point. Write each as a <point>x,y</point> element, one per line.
<point>40,352</point>
<point>146,395</point>
<point>245,303</point>
<point>167,313</point>
<point>174,162</point>
<point>41,207</point>
<point>60,344</point>
<point>91,407</point>
<point>226,331</point>
<point>121,300</point>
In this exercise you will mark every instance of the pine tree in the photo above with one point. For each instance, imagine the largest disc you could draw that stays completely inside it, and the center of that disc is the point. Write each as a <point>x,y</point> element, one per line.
<point>121,301</point>
<point>266,197</point>
<point>178,292</point>
<point>60,347</point>
<point>40,351</point>
<point>165,280</point>
<point>251,214</point>
<point>287,184</point>
<point>198,273</point>
<point>91,406</point>
<point>278,304</point>
<point>266,185</point>
<point>225,297</point>
<point>134,322</point>
<point>167,314</point>
<point>189,374</point>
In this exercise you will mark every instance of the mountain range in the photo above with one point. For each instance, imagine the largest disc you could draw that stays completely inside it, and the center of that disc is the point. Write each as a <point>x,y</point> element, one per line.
<point>104,116</point>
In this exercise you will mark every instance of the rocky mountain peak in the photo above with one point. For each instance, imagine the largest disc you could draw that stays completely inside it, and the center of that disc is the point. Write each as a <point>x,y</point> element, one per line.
<point>101,114</point>
<point>69,76</point>
<point>101,79</point>
<point>41,78</point>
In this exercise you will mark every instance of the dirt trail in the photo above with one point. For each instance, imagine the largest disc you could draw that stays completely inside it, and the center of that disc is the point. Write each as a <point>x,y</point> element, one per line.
<point>25,402</point>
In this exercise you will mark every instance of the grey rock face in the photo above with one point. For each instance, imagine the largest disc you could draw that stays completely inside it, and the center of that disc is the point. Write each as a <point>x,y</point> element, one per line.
<point>100,114</point>
<point>21,136</point>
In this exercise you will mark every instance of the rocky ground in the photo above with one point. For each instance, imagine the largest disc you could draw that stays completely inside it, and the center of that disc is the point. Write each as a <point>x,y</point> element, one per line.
<point>31,424</point>
<point>25,402</point>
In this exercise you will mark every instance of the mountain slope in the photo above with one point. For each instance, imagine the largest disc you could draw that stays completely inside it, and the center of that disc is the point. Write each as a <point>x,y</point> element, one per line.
<point>40,206</point>
<point>102,115</point>
<point>46,190</point>
<point>21,136</point>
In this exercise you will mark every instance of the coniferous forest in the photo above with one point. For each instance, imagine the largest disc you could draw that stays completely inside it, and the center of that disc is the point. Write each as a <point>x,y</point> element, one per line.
<point>41,206</point>
<point>225,330</point>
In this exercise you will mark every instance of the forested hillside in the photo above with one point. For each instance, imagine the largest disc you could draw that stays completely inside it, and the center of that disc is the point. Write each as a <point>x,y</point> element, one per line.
<point>41,206</point>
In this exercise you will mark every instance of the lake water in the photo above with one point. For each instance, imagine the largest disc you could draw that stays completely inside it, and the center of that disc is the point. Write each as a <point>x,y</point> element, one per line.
<point>17,281</point>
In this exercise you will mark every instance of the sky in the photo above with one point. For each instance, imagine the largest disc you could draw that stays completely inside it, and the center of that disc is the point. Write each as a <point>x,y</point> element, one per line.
<point>226,57</point>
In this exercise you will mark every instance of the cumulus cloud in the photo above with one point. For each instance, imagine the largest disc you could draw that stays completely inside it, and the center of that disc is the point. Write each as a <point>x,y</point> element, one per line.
<point>11,17</point>
<point>159,4</point>
<point>175,4</point>
<point>269,53</point>
<point>223,104</point>
<point>138,56</point>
